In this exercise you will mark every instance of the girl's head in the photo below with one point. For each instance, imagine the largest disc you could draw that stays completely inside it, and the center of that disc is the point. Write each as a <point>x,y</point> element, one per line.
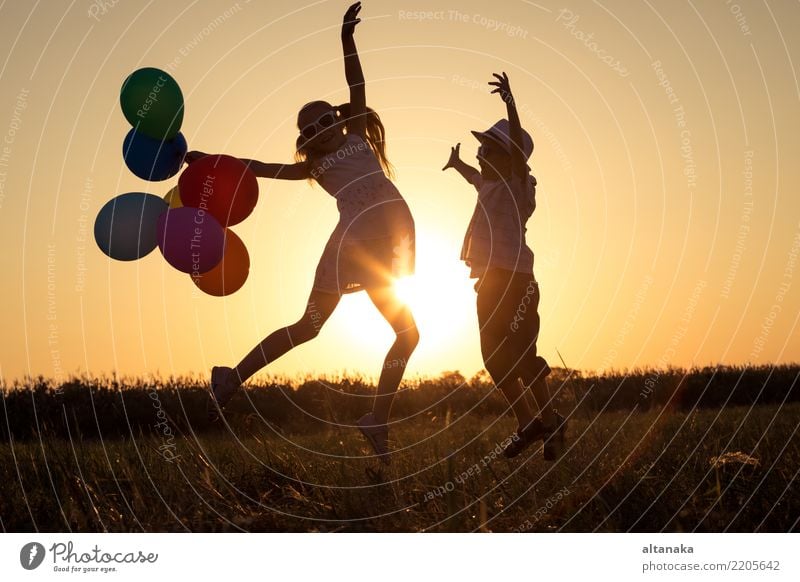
<point>322,131</point>
<point>321,128</point>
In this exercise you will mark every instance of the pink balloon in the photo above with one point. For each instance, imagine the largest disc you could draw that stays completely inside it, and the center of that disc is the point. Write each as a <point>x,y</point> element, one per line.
<point>190,239</point>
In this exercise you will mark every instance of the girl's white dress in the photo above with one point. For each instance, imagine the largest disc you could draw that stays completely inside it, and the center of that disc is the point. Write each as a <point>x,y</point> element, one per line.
<point>373,243</point>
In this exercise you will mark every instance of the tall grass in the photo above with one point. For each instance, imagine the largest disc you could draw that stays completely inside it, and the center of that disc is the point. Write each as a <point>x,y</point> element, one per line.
<point>705,450</point>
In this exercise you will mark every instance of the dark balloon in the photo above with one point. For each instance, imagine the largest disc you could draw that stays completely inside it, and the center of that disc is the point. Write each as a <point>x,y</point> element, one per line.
<point>126,227</point>
<point>152,102</point>
<point>151,159</point>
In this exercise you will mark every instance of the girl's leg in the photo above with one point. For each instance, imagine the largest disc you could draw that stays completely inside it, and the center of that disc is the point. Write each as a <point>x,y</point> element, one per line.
<point>319,308</point>
<point>399,317</point>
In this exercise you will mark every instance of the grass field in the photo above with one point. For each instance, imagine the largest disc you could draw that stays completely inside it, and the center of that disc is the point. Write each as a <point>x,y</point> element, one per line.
<point>152,463</point>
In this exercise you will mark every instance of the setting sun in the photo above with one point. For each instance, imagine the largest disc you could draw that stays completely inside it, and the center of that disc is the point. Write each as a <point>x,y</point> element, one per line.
<point>440,294</point>
<point>441,297</point>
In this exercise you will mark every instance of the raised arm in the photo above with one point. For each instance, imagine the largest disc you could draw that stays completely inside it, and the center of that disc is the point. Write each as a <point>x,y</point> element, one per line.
<point>518,161</point>
<point>353,73</point>
<point>455,162</point>
<point>299,171</point>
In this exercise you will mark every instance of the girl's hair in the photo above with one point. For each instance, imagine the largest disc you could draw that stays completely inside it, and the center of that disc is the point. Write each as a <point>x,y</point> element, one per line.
<point>375,135</point>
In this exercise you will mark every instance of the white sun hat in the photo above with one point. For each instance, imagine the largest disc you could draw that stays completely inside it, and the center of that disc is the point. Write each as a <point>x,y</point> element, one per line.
<point>501,133</point>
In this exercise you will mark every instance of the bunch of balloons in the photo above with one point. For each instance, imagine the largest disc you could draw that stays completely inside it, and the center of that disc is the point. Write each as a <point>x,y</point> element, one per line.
<point>190,224</point>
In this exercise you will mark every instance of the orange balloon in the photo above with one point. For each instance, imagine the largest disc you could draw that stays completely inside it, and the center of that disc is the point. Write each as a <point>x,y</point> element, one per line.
<point>173,198</point>
<point>231,273</point>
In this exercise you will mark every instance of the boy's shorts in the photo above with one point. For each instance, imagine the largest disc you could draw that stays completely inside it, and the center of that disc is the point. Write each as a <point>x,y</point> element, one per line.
<point>508,316</point>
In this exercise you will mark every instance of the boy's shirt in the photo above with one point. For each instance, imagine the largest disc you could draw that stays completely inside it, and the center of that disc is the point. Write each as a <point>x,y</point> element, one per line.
<point>495,238</point>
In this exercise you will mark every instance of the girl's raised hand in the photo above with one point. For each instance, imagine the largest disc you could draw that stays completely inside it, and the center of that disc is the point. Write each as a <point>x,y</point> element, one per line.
<point>193,156</point>
<point>454,157</point>
<point>503,87</point>
<point>351,19</point>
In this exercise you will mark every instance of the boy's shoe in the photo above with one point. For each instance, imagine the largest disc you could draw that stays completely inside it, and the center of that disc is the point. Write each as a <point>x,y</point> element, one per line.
<point>523,438</point>
<point>220,392</point>
<point>376,434</point>
<point>554,437</point>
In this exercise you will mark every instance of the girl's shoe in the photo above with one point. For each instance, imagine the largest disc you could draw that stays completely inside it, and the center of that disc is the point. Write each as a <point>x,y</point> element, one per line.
<point>554,439</point>
<point>220,392</point>
<point>376,434</point>
<point>523,438</point>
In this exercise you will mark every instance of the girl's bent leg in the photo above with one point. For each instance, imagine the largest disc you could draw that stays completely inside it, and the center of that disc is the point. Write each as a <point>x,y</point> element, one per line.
<point>319,308</point>
<point>399,317</point>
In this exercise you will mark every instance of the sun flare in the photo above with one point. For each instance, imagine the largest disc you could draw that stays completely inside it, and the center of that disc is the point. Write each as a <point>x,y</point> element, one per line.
<point>442,301</point>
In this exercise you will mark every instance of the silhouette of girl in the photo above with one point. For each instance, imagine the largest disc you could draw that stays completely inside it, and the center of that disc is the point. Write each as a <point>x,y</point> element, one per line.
<point>342,148</point>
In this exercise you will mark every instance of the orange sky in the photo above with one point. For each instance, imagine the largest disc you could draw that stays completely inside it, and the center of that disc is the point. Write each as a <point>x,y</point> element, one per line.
<point>668,225</point>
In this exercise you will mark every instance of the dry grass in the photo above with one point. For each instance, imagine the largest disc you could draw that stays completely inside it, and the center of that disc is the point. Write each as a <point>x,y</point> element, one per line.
<point>724,469</point>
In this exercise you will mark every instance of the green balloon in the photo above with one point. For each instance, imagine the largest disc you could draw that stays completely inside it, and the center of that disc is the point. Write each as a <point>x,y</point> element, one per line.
<point>152,102</point>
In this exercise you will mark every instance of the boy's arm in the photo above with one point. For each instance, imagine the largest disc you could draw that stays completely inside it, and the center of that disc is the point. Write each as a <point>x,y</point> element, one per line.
<point>455,162</point>
<point>518,161</point>
<point>299,171</point>
<point>353,73</point>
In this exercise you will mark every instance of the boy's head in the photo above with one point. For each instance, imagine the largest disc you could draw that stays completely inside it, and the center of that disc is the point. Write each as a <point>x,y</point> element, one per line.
<point>494,153</point>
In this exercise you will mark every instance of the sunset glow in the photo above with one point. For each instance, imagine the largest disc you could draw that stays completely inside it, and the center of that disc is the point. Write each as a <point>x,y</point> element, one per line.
<point>666,231</point>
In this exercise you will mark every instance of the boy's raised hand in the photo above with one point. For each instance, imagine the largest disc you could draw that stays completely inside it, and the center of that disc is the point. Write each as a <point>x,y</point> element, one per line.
<point>454,157</point>
<point>518,158</point>
<point>503,87</point>
<point>351,19</point>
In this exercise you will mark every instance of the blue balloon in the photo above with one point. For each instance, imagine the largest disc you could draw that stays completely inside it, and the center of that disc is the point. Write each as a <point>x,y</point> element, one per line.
<point>153,159</point>
<point>126,228</point>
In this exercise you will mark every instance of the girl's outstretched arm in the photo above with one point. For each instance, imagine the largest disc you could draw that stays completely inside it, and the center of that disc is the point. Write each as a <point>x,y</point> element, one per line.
<point>455,162</point>
<point>353,73</point>
<point>299,171</point>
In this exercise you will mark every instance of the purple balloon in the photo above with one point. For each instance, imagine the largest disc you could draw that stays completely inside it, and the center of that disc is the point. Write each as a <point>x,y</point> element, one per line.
<point>191,239</point>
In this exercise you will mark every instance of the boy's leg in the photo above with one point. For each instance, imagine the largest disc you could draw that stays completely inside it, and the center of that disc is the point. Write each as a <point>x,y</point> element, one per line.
<point>533,369</point>
<point>515,396</point>
<point>541,392</point>
<point>495,345</point>
<point>529,397</point>
<point>534,378</point>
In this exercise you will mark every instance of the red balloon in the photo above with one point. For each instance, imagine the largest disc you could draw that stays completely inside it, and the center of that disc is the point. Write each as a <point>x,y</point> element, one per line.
<point>222,185</point>
<point>231,273</point>
<point>190,239</point>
